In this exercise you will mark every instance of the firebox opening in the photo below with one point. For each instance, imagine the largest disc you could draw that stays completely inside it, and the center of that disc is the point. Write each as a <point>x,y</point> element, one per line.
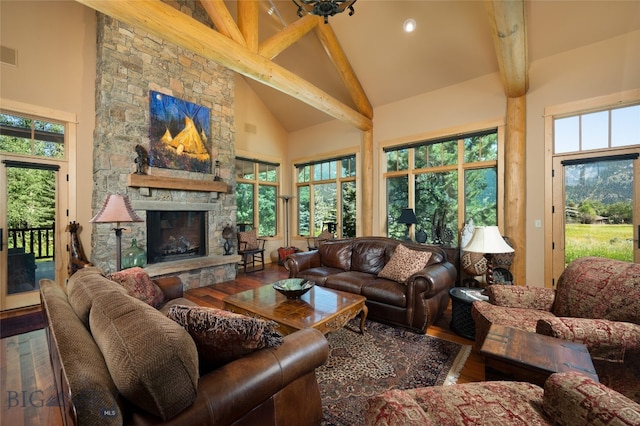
<point>174,235</point>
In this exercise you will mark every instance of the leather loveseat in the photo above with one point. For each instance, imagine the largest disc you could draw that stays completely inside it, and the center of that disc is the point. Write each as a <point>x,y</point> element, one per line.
<point>354,266</point>
<point>118,360</point>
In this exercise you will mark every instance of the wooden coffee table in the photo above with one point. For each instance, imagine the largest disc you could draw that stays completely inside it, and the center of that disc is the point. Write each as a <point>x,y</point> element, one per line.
<point>513,354</point>
<point>320,308</point>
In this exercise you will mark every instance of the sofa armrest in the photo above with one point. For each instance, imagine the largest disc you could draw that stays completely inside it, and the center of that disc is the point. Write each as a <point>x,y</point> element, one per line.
<point>170,286</point>
<point>229,392</point>
<point>513,296</point>
<point>298,262</point>
<point>432,280</point>
<point>606,340</point>
<point>575,399</point>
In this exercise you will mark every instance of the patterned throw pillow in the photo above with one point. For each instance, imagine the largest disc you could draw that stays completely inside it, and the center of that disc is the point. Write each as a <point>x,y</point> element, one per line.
<point>325,235</point>
<point>138,284</point>
<point>403,263</point>
<point>250,238</point>
<point>222,336</point>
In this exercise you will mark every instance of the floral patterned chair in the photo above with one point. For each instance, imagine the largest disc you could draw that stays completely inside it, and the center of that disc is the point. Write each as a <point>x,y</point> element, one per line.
<point>567,399</point>
<point>597,303</point>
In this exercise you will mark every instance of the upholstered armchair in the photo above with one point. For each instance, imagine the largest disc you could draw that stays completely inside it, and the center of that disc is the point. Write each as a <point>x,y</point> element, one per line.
<point>596,302</point>
<point>567,399</point>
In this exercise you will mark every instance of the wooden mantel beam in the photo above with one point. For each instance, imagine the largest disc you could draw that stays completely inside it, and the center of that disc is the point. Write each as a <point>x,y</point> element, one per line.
<point>508,26</point>
<point>170,24</point>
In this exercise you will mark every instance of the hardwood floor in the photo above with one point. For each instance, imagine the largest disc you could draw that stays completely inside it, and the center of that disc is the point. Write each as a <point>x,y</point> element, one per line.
<point>28,391</point>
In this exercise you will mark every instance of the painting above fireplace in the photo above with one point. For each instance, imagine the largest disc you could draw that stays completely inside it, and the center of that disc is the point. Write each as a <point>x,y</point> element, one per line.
<point>174,235</point>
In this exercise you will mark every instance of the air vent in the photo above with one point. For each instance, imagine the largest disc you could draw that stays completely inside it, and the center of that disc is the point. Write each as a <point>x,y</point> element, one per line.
<point>8,56</point>
<point>250,128</point>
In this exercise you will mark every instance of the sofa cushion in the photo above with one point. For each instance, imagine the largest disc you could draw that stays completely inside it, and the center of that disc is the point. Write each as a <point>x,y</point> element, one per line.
<point>152,360</point>
<point>222,336</point>
<point>386,291</point>
<point>349,281</point>
<point>139,285</point>
<point>84,286</point>
<point>368,257</point>
<point>336,254</point>
<point>403,263</point>
<point>89,380</point>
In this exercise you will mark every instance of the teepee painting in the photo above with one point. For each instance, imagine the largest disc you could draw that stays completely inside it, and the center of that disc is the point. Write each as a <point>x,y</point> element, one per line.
<point>178,134</point>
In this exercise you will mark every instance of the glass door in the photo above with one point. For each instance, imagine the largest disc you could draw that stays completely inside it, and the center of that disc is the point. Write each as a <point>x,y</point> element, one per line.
<point>28,196</point>
<point>595,208</point>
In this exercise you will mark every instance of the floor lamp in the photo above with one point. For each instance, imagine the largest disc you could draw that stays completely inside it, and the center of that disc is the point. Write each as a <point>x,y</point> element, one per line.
<point>116,208</point>
<point>286,199</point>
<point>488,241</point>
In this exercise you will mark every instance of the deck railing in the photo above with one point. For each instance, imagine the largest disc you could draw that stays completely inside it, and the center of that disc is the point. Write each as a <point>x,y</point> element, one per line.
<point>39,241</point>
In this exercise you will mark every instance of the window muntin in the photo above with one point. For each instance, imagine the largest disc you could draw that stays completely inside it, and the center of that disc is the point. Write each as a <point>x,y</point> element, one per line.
<point>256,195</point>
<point>327,196</point>
<point>615,127</point>
<point>446,181</point>
<point>20,134</point>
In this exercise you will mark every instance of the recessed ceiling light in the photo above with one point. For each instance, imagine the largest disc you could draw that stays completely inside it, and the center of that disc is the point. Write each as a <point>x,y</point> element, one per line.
<point>409,25</point>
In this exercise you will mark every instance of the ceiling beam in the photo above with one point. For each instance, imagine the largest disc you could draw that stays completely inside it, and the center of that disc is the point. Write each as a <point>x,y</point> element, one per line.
<point>171,25</point>
<point>274,45</point>
<point>248,22</point>
<point>341,62</point>
<point>508,26</point>
<point>222,19</point>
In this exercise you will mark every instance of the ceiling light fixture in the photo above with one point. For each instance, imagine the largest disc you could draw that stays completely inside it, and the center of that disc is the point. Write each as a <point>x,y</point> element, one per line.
<point>324,8</point>
<point>409,25</point>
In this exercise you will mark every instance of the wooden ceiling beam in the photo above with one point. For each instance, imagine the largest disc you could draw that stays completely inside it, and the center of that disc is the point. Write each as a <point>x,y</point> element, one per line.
<point>341,62</point>
<point>508,26</point>
<point>222,19</point>
<point>248,22</point>
<point>274,45</point>
<point>171,25</point>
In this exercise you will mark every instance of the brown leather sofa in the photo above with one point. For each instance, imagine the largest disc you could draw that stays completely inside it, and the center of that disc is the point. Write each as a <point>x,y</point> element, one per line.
<point>268,387</point>
<point>353,265</point>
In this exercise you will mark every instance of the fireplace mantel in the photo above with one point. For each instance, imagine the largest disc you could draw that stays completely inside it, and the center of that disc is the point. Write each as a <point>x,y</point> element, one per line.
<point>164,182</point>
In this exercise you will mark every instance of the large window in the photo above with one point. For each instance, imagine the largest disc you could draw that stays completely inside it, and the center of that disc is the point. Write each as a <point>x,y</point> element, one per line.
<point>327,197</point>
<point>446,181</point>
<point>20,134</point>
<point>257,195</point>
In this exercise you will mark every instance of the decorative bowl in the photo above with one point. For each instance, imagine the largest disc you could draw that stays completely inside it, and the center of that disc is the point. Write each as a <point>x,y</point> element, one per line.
<point>293,288</point>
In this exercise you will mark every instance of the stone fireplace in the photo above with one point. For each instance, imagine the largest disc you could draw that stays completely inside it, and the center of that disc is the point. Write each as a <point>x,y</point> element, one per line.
<point>130,64</point>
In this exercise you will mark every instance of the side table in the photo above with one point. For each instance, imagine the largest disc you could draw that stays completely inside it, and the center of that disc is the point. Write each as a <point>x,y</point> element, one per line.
<point>461,299</point>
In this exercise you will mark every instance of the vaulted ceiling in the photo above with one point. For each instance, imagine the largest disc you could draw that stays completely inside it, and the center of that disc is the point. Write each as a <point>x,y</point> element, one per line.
<point>453,42</point>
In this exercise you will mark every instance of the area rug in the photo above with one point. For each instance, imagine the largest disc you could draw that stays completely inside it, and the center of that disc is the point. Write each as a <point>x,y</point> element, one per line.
<point>360,366</point>
<point>19,324</point>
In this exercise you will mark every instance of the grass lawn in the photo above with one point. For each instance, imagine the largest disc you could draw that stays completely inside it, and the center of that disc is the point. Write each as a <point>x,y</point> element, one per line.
<point>612,241</point>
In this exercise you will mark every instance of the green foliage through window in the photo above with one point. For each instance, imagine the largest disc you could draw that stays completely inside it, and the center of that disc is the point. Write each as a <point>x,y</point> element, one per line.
<point>24,135</point>
<point>256,178</point>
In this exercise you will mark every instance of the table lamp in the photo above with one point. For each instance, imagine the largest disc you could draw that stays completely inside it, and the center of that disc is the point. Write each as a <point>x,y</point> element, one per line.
<point>488,241</point>
<point>116,208</point>
<point>408,217</point>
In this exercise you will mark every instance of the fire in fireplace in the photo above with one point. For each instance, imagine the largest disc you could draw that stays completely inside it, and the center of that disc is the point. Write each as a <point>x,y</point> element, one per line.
<point>173,235</point>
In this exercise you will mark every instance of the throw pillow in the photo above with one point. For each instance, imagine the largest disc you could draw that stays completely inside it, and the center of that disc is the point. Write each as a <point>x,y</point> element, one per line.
<point>222,336</point>
<point>325,235</point>
<point>139,285</point>
<point>403,263</point>
<point>250,238</point>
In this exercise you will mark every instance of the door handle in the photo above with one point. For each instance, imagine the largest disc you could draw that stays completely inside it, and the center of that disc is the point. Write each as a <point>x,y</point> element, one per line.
<point>1,239</point>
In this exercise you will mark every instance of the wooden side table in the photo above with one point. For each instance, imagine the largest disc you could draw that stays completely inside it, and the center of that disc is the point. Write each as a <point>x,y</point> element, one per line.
<point>461,321</point>
<point>513,354</point>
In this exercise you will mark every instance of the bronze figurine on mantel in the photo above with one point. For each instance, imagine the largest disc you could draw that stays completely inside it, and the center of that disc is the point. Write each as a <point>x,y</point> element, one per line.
<point>142,160</point>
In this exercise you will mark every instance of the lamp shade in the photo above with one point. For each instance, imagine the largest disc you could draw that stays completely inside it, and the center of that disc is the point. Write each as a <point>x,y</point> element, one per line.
<point>116,208</point>
<point>407,217</point>
<point>487,239</point>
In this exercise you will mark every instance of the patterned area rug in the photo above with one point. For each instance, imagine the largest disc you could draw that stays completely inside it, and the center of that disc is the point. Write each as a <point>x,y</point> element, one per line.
<point>360,366</point>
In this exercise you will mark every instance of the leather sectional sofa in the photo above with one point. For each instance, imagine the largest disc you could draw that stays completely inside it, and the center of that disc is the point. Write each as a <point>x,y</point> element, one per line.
<point>353,265</point>
<point>118,360</point>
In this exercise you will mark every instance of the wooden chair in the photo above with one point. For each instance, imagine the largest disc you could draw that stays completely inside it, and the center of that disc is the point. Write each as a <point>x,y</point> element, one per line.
<point>314,242</point>
<point>251,248</point>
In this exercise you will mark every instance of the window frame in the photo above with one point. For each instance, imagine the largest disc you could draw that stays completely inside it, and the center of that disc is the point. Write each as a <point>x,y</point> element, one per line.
<point>256,182</point>
<point>339,181</point>
<point>460,133</point>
